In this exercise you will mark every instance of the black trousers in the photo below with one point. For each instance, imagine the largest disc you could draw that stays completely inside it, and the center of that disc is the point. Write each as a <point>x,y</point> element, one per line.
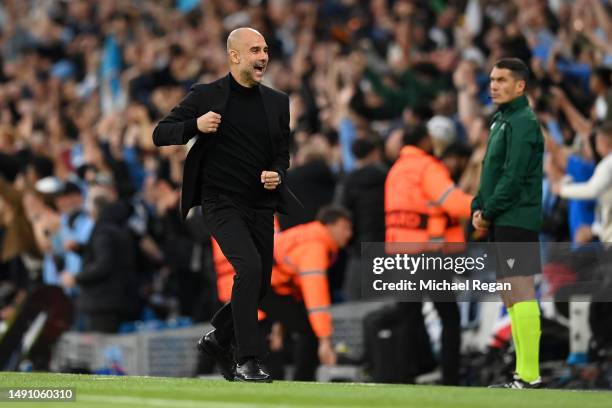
<point>451,337</point>
<point>292,315</point>
<point>246,238</point>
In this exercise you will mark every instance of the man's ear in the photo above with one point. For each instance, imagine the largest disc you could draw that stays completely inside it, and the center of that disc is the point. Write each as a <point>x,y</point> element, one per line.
<point>521,85</point>
<point>235,56</point>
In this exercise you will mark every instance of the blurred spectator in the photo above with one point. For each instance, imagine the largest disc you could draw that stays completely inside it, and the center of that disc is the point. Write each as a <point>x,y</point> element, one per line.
<point>442,132</point>
<point>598,186</point>
<point>312,180</point>
<point>106,282</point>
<point>577,218</point>
<point>455,158</point>
<point>73,233</point>
<point>180,253</point>
<point>16,235</point>
<point>362,193</point>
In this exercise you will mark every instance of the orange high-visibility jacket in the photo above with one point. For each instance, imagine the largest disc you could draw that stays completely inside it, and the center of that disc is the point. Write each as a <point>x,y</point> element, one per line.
<point>302,255</point>
<point>225,273</point>
<point>422,203</point>
<point>224,269</point>
<point>225,276</point>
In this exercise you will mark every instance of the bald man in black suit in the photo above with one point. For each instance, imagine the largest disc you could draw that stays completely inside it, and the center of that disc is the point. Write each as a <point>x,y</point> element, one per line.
<point>235,171</point>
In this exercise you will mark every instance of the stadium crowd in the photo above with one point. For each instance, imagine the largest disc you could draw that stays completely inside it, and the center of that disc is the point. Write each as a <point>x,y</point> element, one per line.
<point>84,193</point>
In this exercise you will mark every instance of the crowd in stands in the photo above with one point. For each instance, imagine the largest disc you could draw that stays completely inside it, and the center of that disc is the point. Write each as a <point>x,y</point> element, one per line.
<point>85,194</point>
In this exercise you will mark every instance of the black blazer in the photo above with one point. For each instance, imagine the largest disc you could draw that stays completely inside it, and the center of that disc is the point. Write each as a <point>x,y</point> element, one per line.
<point>180,125</point>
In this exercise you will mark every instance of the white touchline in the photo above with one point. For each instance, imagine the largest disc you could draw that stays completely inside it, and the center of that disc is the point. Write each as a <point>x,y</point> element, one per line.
<point>163,402</point>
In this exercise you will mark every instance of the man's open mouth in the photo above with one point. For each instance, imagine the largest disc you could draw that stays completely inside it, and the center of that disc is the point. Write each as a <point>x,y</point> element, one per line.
<point>260,68</point>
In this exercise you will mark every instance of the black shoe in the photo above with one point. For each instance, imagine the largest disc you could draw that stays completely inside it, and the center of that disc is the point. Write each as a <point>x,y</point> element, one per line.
<point>252,371</point>
<point>222,355</point>
<point>519,384</point>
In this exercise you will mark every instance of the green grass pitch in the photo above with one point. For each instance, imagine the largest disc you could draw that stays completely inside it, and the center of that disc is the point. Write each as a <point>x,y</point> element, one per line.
<point>116,392</point>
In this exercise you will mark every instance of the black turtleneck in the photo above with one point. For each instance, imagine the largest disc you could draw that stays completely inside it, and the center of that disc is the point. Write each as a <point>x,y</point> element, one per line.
<point>243,148</point>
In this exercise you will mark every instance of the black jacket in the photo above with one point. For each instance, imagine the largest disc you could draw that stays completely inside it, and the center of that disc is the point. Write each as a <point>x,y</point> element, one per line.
<point>180,125</point>
<point>107,280</point>
<point>364,195</point>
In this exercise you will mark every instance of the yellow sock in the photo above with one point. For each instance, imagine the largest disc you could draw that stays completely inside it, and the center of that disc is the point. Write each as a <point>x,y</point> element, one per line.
<point>527,321</point>
<point>515,339</point>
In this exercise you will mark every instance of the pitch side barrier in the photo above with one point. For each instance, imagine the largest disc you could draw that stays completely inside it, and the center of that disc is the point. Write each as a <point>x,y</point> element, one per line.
<point>172,352</point>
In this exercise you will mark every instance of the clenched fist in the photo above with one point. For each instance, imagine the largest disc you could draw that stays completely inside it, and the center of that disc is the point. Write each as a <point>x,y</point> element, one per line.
<point>270,179</point>
<point>209,122</point>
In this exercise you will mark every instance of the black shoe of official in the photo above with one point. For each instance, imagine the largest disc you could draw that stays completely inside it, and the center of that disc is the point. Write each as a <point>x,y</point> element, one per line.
<point>519,384</point>
<point>222,355</point>
<point>252,371</point>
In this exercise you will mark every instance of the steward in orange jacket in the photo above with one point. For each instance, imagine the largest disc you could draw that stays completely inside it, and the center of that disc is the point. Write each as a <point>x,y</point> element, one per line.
<point>225,273</point>
<point>422,207</point>
<point>300,298</point>
<point>422,203</point>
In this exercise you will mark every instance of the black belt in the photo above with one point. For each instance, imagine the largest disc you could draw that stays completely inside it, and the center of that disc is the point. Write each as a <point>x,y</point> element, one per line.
<point>413,220</point>
<point>406,219</point>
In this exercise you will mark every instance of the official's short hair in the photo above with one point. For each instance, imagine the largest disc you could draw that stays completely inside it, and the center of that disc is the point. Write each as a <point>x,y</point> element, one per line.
<point>332,213</point>
<point>605,129</point>
<point>516,66</point>
<point>414,134</point>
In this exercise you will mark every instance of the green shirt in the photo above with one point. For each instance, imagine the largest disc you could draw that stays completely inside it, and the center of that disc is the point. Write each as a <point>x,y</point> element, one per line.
<point>510,191</point>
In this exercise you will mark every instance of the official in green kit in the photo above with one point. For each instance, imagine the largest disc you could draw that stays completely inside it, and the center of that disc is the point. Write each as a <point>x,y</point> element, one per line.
<point>509,206</point>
